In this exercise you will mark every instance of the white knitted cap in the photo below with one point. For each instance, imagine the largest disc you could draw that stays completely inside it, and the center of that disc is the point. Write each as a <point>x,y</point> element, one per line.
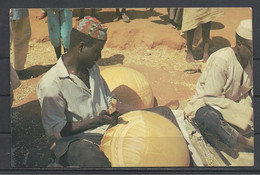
<point>245,29</point>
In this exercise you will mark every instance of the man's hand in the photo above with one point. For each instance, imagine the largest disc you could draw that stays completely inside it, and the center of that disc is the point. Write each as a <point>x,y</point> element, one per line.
<point>104,118</point>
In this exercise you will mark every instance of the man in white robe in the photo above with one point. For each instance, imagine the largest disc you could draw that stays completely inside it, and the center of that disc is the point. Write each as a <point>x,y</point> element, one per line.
<point>224,91</point>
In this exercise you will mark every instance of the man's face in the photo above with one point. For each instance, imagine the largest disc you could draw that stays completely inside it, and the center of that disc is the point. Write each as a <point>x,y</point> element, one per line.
<point>246,50</point>
<point>90,55</point>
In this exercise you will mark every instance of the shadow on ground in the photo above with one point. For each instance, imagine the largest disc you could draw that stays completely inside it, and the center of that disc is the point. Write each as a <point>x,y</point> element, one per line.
<point>115,59</point>
<point>34,71</point>
<point>164,20</point>
<point>30,146</point>
<point>108,16</point>
<point>215,44</point>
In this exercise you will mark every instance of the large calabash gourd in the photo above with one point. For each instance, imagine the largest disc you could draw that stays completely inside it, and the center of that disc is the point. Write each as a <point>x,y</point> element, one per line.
<point>130,86</point>
<point>145,139</point>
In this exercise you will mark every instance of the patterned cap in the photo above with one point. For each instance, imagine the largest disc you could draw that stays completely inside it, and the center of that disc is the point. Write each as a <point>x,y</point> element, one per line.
<point>92,27</point>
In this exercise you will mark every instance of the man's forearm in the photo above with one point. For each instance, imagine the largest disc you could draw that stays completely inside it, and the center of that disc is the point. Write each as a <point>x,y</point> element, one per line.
<point>72,128</point>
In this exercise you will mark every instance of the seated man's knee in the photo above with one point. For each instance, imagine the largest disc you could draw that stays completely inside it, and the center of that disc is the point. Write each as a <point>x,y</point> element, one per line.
<point>207,118</point>
<point>166,112</point>
<point>200,117</point>
<point>85,154</point>
<point>164,109</point>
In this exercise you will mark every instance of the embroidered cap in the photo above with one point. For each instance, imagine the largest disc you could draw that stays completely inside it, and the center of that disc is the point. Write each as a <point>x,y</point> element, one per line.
<point>92,27</point>
<point>245,29</point>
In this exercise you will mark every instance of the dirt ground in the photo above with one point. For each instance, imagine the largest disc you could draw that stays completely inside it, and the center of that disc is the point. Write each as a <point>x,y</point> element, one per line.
<point>147,44</point>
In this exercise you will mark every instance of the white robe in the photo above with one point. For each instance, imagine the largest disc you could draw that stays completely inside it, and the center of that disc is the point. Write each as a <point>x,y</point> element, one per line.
<point>193,17</point>
<point>220,87</point>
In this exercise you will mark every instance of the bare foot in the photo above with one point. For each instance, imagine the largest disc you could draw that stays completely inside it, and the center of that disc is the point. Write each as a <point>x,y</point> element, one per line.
<point>244,143</point>
<point>189,56</point>
<point>117,18</point>
<point>173,104</point>
<point>42,16</point>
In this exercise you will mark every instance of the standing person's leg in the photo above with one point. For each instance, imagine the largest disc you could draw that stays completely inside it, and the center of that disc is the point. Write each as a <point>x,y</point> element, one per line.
<point>118,15</point>
<point>66,27</point>
<point>205,38</point>
<point>54,31</point>
<point>178,18</point>
<point>81,14</point>
<point>172,13</point>
<point>21,34</point>
<point>43,14</point>
<point>123,10</point>
<point>190,36</point>
<point>124,16</point>
<point>83,153</point>
<point>93,12</point>
<point>168,11</point>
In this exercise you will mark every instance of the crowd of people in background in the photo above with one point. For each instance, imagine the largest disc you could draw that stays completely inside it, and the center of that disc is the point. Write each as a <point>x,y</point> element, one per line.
<point>60,25</point>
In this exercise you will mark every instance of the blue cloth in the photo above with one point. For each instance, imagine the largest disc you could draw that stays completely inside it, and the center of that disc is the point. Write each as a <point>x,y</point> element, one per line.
<point>59,26</point>
<point>18,13</point>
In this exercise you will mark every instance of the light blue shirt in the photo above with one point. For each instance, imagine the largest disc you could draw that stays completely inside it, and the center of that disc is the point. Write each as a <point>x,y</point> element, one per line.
<point>18,13</point>
<point>64,97</point>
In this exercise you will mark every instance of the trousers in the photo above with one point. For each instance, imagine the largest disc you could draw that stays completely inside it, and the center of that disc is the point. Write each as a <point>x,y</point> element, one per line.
<point>59,26</point>
<point>213,126</point>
